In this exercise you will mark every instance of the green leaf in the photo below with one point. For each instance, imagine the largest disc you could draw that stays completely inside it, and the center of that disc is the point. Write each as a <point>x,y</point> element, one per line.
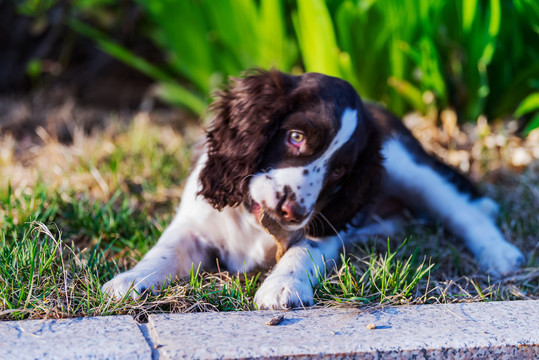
<point>531,125</point>
<point>495,18</point>
<point>176,94</point>
<point>275,50</point>
<point>235,25</point>
<point>181,29</point>
<point>118,51</point>
<point>469,8</point>
<point>316,37</point>
<point>529,104</point>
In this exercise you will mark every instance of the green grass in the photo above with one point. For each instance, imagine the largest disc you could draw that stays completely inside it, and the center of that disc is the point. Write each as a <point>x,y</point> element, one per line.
<point>73,216</point>
<point>376,279</point>
<point>56,270</point>
<point>48,272</point>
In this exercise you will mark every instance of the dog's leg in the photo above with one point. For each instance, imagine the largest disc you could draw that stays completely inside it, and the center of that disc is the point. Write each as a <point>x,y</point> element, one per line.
<point>381,228</point>
<point>175,254</point>
<point>429,189</point>
<point>290,284</point>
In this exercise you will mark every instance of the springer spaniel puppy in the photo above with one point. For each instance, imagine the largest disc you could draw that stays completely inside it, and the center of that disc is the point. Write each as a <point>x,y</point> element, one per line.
<point>295,168</point>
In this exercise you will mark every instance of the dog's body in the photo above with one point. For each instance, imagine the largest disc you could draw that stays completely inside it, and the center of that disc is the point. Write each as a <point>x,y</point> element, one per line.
<point>296,168</point>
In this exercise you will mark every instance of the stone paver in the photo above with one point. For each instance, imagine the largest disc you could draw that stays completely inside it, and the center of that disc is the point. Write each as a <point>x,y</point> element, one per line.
<point>507,330</point>
<point>502,330</point>
<point>111,337</point>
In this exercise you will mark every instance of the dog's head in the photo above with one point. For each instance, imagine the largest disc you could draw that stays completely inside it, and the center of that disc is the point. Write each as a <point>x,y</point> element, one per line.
<point>300,149</point>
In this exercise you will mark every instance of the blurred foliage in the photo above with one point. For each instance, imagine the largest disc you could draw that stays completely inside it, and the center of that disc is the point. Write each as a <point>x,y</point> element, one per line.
<point>530,107</point>
<point>476,56</point>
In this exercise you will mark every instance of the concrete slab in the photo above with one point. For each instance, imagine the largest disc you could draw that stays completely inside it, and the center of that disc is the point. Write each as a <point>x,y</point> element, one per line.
<point>111,337</point>
<point>507,330</point>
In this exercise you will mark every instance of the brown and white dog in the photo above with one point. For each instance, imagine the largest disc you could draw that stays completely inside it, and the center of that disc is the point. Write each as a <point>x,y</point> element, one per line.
<point>297,168</point>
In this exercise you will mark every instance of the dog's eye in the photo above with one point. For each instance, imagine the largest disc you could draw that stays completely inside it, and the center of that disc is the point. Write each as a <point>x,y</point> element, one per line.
<point>296,138</point>
<point>338,172</point>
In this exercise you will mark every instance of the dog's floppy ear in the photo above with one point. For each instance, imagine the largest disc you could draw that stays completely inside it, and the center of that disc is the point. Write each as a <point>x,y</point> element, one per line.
<point>246,118</point>
<point>360,185</point>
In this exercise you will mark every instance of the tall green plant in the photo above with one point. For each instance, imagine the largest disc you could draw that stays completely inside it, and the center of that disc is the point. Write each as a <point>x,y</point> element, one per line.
<point>478,57</point>
<point>514,71</point>
<point>205,41</point>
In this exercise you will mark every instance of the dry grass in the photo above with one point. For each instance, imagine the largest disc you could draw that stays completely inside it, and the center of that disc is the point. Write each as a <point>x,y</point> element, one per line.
<point>107,195</point>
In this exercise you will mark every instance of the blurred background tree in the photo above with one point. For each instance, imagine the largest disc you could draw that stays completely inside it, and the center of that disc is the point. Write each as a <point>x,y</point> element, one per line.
<point>479,57</point>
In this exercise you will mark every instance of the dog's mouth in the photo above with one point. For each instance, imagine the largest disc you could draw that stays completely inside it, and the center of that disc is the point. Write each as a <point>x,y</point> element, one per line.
<point>257,210</point>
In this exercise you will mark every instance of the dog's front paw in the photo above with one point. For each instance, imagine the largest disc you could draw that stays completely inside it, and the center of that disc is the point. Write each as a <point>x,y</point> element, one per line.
<point>501,259</point>
<point>132,283</point>
<point>284,292</point>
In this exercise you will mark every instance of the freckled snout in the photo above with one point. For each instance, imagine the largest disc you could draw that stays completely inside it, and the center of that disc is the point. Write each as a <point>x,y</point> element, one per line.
<point>289,210</point>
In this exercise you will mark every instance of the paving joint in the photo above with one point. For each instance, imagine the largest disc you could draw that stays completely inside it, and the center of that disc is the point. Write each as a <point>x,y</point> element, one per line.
<point>147,333</point>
